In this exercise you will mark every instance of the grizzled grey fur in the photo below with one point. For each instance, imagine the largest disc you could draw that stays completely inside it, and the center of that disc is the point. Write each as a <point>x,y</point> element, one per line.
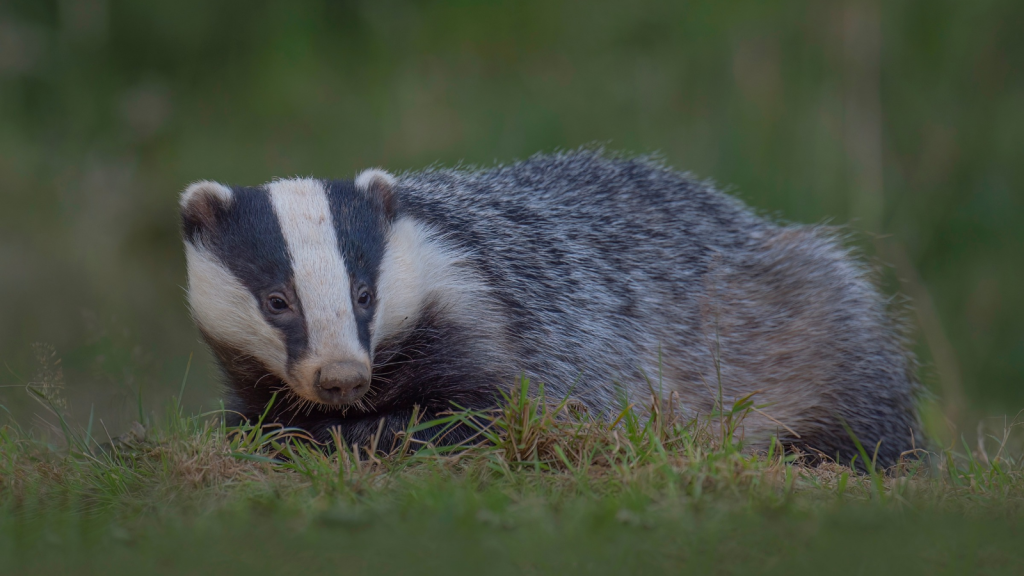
<point>609,279</point>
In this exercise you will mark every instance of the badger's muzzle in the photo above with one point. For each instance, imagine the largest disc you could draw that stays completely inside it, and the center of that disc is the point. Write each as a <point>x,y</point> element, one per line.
<point>342,383</point>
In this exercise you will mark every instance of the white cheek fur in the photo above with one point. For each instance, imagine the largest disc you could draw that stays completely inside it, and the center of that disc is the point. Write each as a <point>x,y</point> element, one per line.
<point>417,266</point>
<point>229,313</point>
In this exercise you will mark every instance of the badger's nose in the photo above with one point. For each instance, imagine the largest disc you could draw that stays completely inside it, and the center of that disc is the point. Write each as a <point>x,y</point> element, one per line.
<point>341,383</point>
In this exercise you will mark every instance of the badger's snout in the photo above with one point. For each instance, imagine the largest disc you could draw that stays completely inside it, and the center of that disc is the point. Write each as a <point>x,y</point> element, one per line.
<point>342,383</point>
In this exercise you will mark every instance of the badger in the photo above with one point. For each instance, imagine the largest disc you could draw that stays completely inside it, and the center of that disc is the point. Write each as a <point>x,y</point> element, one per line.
<point>610,279</point>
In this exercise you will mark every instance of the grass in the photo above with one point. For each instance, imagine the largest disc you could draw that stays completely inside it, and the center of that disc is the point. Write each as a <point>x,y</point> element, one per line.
<point>543,489</point>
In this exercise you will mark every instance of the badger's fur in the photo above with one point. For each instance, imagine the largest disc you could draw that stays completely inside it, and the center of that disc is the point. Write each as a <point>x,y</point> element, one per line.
<point>608,278</point>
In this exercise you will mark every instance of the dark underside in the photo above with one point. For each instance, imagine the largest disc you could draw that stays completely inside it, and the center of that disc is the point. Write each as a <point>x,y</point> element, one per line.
<point>441,366</point>
<point>432,371</point>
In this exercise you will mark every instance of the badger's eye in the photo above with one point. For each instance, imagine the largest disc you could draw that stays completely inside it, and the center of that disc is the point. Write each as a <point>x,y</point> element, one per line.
<point>276,303</point>
<point>365,298</point>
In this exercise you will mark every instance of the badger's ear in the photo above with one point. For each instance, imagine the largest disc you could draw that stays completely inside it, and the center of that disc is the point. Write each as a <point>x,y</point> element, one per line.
<point>202,206</point>
<point>380,186</point>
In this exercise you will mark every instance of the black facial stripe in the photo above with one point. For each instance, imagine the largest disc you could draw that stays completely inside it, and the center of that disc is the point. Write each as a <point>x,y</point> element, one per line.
<point>248,240</point>
<point>361,225</point>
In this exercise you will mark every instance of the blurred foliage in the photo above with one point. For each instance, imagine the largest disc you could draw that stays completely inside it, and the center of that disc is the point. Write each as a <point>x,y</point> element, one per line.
<point>901,118</point>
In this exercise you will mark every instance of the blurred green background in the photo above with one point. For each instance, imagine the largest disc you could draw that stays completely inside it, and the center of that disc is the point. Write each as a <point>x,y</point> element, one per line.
<point>904,119</point>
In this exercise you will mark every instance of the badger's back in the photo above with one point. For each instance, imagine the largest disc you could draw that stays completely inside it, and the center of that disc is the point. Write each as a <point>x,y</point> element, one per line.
<point>622,276</point>
<point>610,279</point>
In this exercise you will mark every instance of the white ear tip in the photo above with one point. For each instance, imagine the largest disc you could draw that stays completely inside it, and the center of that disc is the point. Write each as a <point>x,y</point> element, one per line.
<point>368,176</point>
<point>216,189</point>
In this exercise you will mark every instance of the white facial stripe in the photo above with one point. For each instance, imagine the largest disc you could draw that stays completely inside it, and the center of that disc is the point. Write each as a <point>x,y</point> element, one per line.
<point>228,312</point>
<point>321,278</point>
<point>417,265</point>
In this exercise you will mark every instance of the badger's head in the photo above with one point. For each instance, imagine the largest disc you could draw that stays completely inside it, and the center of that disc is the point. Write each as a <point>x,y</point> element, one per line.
<point>285,277</point>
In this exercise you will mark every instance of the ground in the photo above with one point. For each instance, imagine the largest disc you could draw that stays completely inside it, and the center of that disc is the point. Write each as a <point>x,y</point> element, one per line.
<point>544,490</point>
